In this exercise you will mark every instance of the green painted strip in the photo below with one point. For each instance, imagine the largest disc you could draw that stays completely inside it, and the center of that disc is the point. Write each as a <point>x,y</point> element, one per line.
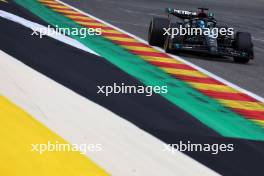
<point>205,109</point>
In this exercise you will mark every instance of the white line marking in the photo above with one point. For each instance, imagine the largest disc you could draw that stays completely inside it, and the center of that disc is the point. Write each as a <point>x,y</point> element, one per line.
<point>257,97</point>
<point>37,27</point>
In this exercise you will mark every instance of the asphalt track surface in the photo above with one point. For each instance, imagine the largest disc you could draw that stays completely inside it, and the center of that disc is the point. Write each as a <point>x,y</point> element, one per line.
<point>76,70</point>
<point>134,16</point>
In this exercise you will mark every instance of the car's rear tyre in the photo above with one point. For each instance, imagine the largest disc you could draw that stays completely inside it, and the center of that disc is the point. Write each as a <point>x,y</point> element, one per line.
<point>243,43</point>
<point>156,31</point>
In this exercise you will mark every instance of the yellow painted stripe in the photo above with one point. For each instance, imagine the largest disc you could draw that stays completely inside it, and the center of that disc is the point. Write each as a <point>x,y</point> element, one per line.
<point>57,6</point>
<point>121,39</point>
<point>214,87</point>
<point>111,31</point>
<point>18,130</point>
<point>255,106</point>
<point>47,1</point>
<point>138,48</point>
<point>161,59</point>
<point>89,23</point>
<point>261,122</point>
<point>66,11</point>
<point>75,18</point>
<point>78,17</point>
<point>174,71</point>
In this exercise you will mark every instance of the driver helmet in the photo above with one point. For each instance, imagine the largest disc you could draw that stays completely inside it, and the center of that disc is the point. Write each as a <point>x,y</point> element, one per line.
<point>201,24</point>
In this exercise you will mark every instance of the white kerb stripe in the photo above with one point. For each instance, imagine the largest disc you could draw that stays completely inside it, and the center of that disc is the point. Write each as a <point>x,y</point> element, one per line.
<point>37,27</point>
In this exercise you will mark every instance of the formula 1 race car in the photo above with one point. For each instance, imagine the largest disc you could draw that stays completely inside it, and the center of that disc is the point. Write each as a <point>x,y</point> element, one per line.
<point>199,32</point>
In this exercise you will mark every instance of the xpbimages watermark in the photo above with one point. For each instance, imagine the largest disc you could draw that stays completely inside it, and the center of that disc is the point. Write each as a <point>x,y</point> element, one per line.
<point>131,89</point>
<point>82,32</point>
<point>193,31</point>
<point>65,147</point>
<point>194,147</point>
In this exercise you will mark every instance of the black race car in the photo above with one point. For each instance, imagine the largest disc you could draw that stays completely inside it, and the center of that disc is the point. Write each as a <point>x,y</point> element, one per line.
<point>212,38</point>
